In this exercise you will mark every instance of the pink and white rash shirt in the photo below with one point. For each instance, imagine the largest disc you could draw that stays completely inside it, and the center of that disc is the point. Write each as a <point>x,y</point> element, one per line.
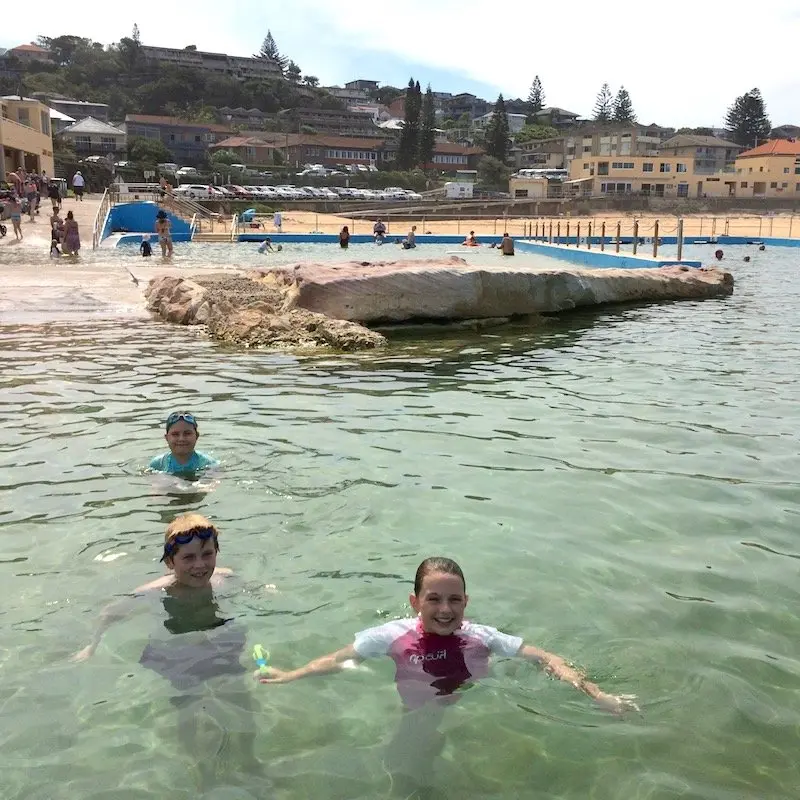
<point>430,665</point>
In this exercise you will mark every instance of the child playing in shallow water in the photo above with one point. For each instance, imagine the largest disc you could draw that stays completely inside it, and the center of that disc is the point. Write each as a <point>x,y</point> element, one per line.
<point>182,435</point>
<point>196,645</point>
<point>440,652</point>
<point>436,655</point>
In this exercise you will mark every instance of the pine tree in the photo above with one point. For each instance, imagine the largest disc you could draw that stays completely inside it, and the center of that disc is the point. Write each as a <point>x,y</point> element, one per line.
<point>497,133</point>
<point>292,72</point>
<point>623,108</point>
<point>427,133</point>
<point>535,97</point>
<point>602,105</point>
<point>747,119</point>
<point>135,34</point>
<point>408,148</point>
<point>270,51</point>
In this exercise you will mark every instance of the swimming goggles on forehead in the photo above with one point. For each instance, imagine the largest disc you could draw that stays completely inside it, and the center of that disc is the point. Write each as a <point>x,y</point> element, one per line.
<point>176,417</point>
<point>184,538</point>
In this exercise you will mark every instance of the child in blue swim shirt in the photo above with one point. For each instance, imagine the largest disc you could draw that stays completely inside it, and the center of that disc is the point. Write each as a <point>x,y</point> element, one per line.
<point>182,435</point>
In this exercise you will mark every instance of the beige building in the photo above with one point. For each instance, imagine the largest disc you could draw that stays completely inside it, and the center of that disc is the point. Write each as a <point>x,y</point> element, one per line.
<point>242,67</point>
<point>540,154</point>
<point>25,136</point>
<point>769,170</point>
<point>657,176</point>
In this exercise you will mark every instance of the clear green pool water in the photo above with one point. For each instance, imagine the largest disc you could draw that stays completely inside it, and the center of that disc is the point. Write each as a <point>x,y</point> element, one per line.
<point>620,487</point>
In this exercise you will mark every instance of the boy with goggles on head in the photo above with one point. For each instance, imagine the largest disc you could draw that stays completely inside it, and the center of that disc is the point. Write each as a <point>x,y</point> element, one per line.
<point>200,648</point>
<point>182,435</point>
<point>190,553</point>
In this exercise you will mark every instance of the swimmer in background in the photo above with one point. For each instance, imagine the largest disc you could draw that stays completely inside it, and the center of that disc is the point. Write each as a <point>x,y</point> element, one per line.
<point>266,247</point>
<point>470,241</point>
<point>437,655</point>
<point>164,231</point>
<point>344,238</point>
<point>199,648</point>
<point>182,435</point>
<point>506,245</point>
<point>411,240</point>
<point>144,248</point>
<point>379,232</point>
<point>719,255</point>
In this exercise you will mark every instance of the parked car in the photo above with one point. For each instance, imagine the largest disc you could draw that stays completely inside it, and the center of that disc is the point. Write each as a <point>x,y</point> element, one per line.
<point>197,191</point>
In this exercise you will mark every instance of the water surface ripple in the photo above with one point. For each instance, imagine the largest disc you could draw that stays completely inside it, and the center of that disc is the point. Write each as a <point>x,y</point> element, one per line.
<point>621,487</point>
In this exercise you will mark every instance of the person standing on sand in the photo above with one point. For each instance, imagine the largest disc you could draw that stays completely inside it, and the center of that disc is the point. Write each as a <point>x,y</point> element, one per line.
<point>78,185</point>
<point>344,238</point>
<point>72,238</point>
<point>164,231</point>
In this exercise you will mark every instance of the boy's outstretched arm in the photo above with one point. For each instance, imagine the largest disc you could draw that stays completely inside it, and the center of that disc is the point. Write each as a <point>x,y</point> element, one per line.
<point>334,662</point>
<point>556,666</point>
<point>114,612</point>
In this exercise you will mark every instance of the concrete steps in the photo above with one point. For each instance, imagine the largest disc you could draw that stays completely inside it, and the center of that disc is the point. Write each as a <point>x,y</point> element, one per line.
<point>222,236</point>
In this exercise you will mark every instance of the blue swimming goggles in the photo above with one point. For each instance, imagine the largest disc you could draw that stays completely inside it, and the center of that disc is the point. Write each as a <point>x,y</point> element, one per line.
<point>176,417</point>
<point>184,538</point>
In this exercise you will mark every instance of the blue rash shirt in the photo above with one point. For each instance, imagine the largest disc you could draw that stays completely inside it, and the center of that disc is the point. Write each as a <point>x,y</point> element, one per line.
<point>167,463</point>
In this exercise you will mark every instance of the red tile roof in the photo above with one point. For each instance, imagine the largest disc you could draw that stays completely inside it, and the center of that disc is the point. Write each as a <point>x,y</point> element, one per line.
<point>31,48</point>
<point>774,147</point>
<point>240,141</point>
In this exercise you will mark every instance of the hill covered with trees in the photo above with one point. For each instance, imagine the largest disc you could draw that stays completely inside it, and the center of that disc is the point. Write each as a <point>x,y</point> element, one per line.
<point>117,74</point>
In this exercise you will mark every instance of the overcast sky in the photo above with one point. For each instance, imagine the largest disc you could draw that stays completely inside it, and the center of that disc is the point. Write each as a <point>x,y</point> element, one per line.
<point>683,62</point>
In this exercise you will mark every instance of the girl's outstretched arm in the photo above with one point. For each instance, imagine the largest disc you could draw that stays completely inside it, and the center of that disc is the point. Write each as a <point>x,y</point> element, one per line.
<point>334,662</point>
<point>557,667</point>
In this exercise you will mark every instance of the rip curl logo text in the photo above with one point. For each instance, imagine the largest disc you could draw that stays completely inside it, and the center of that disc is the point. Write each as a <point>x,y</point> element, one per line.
<point>418,659</point>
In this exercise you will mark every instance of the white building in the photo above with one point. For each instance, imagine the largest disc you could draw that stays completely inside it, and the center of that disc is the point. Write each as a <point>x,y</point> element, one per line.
<point>93,137</point>
<point>515,122</point>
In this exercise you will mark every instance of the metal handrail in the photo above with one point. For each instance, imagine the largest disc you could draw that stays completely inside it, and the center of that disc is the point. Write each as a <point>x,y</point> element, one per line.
<point>192,227</point>
<point>234,227</point>
<point>100,219</point>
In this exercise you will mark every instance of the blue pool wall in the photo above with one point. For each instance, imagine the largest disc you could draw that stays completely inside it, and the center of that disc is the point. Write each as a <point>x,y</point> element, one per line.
<point>140,218</point>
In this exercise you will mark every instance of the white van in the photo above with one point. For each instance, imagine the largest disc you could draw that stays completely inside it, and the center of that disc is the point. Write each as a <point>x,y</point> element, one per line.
<point>168,167</point>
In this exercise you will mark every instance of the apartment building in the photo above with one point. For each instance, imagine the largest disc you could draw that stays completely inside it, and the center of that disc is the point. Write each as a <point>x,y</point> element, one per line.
<point>540,154</point>
<point>658,176</point>
<point>25,136</point>
<point>516,122</point>
<point>331,121</point>
<point>710,154</point>
<point>77,109</point>
<point>242,67</point>
<point>187,142</point>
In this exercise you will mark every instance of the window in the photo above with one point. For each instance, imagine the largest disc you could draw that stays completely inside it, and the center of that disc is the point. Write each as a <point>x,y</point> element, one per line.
<point>622,165</point>
<point>108,140</point>
<point>784,186</point>
<point>585,165</point>
<point>46,123</point>
<point>587,149</point>
<point>773,185</point>
<point>197,138</point>
<point>602,167</point>
<point>797,187</point>
<point>786,170</point>
<point>680,168</point>
<point>750,169</point>
<point>23,117</point>
<point>647,166</point>
<point>520,192</point>
<point>664,167</point>
<point>683,189</point>
<point>172,137</point>
<point>743,185</point>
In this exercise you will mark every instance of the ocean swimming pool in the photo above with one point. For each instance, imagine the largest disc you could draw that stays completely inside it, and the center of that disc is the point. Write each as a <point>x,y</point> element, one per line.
<point>620,487</point>
<point>246,255</point>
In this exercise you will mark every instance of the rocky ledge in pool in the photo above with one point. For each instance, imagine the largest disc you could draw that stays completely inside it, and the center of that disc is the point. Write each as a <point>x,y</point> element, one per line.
<point>308,305</point>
